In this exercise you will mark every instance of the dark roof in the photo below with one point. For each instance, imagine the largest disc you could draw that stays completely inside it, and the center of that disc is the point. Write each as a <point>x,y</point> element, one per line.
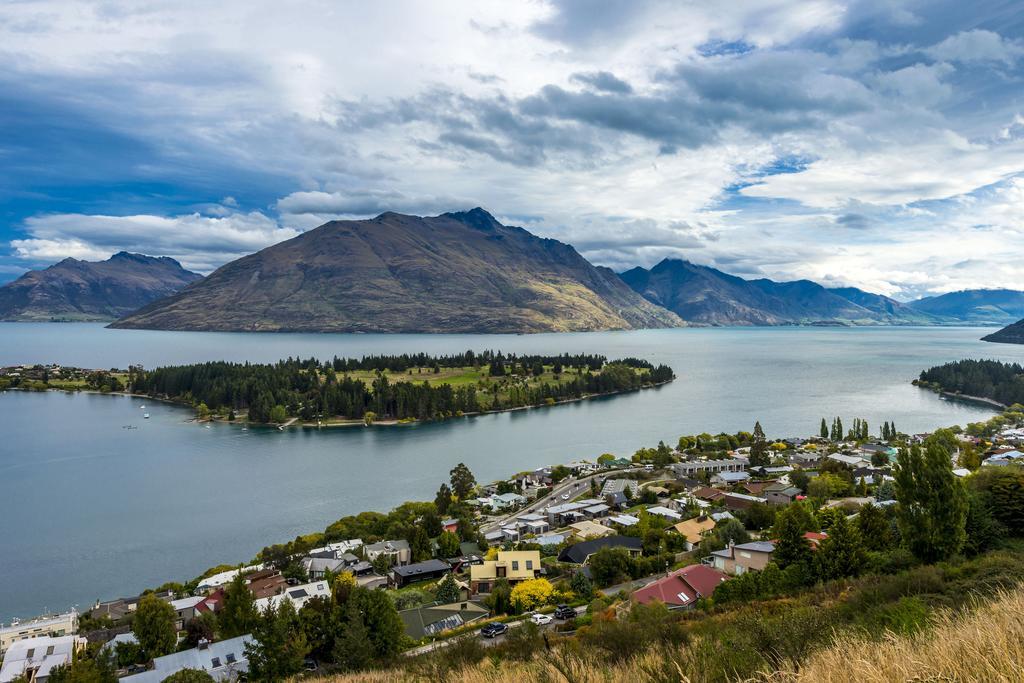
<point>578,554</point>
<point>428,567</point>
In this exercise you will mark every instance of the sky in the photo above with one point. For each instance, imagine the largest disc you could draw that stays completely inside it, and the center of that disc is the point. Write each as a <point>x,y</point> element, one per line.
<point>873,144</point>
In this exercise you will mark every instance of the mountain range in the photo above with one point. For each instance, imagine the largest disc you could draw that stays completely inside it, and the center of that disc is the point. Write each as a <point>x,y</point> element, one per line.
<point>458,272</point>
<point>74,290</point>
<point>707,296</point>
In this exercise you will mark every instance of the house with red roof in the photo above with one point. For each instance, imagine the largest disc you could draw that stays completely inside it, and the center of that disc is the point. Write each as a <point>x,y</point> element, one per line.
<point>682,588</point>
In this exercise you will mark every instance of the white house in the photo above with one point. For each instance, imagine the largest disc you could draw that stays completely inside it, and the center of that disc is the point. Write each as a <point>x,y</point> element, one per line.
<point>34,658</point>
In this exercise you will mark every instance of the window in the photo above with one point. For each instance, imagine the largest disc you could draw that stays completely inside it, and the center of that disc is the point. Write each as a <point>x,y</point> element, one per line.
<point>529,564</point>
<point>515,565</point>
<point>231,658</point>
<point>49,651</point>
<point>216,662</point>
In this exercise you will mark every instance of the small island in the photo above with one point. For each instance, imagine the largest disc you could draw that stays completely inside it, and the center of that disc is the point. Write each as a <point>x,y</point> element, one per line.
<point>395,389</point>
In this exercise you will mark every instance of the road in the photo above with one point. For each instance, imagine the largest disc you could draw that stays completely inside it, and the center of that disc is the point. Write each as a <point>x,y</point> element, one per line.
<point>489,642</point>
<point>572,486</point>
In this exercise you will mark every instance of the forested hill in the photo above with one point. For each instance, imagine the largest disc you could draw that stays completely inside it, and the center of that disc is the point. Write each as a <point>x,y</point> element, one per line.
<point>991,379</point>
<point>394,387</point>
<point>1011,334</point>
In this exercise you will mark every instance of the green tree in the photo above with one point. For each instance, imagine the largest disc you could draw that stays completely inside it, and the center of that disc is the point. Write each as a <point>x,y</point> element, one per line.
<point>875,530</point>
<point>581,586</point>
<point>382,622</point>
<point>353,650</point>
<point>153,626</point>
<point>278,414</point>
<point>279,645</point>
<point>759,448</point>
<point>791,548</point>
<point>841,553</point>
<point>448,545</point>
<point>463,481</point>
<point>933,503</point>
<point>239,615</point>
<point>611,565</point>
<point>447,590</point>
<point>419,545</point>
<point>201,627</point>
<point>189,676</point>
<point>90,666</point>
<point>443,500</point>
<point>824,429</point>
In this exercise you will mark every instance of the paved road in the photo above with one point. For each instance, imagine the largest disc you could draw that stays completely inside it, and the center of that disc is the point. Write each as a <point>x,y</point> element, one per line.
<point>573,487</point>
<point>488,642</point>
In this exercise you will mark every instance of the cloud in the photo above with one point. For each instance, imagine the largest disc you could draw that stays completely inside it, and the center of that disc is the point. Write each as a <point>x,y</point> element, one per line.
<point>199,242</point>
<point>977,46</point>
<point>603,81</point>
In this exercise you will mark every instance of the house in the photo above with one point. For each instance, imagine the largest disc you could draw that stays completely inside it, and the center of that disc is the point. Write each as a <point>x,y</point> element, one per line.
<point>707,493</point>
<point>503,501</point>
<point>32,659</point>
<point>596,511</point>
<point>224,660</point>
<point>682,588</point>
<point>550,539</point>
<point>398,551</point>
<point>621,520</point>
<point>805,458</point>
<point>851,460</point>
<point>318,567</point>
<point>560,515</point>
<point>580,553</point>
<point>513,566</point>
<point>694,530</point>
<point>430,620</point>
<point>450,525</point>
<point>185,609</point>
<point>614,490</point>
<point>588,529</point>
<point>297,595</point>
<point>692,468</point>
<point>1003,459</point>
<point>740,501</point>
<point>665,513</point>
<point>742,558</point>
<point>729,478</point>
<point>53,625</point>
<point>780,494</point>
<point>756,488</point>
<point>265,583</point>
<point>224,578</point>
<point>420,571</point>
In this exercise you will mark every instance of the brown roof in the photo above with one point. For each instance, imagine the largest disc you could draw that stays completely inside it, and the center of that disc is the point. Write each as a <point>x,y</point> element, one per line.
<point>694,529</point>
<point>756,488</point>
<point>266,583</point>
<point>707,493</point>
<point>683,587</point>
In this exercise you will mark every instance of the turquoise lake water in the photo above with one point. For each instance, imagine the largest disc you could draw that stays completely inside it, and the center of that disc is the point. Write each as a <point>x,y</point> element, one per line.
<point>92,510</point>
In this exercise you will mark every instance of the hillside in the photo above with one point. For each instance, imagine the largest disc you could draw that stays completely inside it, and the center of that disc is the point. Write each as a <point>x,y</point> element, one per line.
<point>977,306</point>
<point>458,272</point>
<point>74,290</point>
<point>1011,334</point>
<point>705,295</point>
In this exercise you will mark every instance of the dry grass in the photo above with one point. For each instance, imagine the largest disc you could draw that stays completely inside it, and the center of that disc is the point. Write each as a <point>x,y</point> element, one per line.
<point>984,644</point>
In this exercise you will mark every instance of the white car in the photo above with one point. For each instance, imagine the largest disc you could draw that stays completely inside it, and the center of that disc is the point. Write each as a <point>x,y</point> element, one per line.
<point>565,496</point>
<point>541,619</point>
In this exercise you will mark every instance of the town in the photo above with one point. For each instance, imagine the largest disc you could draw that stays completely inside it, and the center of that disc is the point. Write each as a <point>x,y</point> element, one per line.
<point>685,527</point>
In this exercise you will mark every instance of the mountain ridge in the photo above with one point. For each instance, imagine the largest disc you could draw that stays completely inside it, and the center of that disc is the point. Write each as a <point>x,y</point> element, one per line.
<point>1011,334</point>
<point>76,290</point>
<point>457,272</point>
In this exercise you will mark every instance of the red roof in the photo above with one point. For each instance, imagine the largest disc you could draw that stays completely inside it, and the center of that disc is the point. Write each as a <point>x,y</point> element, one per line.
<point>683,587</point>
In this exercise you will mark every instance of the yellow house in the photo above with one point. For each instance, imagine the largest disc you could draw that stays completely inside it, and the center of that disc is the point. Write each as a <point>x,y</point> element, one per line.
<point>514,566</point>
<point>589,529</point>
<point>693,530</point>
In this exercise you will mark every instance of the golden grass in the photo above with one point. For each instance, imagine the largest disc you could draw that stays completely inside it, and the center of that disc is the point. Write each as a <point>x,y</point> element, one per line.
<point>984,644</point>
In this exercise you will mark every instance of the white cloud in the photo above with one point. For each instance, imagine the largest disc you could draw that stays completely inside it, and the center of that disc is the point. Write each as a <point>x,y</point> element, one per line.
<point>977,45</point>
<point>199,242</point>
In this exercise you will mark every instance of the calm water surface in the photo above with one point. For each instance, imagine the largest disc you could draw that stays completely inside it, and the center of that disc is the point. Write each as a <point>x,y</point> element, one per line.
<point>92,510</point>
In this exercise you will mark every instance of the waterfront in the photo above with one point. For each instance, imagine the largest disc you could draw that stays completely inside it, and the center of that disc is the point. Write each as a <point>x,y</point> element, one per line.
<point>93,510</point>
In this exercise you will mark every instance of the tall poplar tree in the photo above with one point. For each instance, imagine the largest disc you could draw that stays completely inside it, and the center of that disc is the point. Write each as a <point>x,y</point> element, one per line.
<point>932,515</point>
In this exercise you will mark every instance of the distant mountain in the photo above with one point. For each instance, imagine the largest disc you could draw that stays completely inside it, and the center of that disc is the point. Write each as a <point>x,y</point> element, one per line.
<point>705,295</point>
<point>74,290</point>
<point>1011,334</point>
<point>976,306</point>
<point>458,272</point>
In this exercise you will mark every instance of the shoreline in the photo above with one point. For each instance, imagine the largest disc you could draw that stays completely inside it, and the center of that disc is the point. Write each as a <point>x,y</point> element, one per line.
<point>295,423</point>
<point>964,398</point>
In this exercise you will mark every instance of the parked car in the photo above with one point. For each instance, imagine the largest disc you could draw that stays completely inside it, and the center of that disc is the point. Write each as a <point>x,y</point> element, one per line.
<point>494,629</point>
<point>565,496</point>
<point>541,619</point>
<point>565,612</point>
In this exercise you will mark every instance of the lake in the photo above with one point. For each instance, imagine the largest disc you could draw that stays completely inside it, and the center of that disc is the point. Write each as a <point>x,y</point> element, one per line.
<point>95,511</point>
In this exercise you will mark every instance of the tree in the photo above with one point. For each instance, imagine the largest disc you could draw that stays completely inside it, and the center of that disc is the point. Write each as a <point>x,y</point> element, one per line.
<point>201,627</point>
<point>153,626</point>
<point>90,666</point>
<point>933,503</point>
<point>432,524</point>
<point>189,676</point>
<point>759,448</point>
<point>875,530</point>
<point>419,545</point>
<point>443,500</point>
<point>462,480</point>
<point>791,548</point>
<point>279,645</point>
<point>969,457</point>
<point>531,594</point>
<point>352,649</point>
<point>278,414</point>
<point>500,600</point>
<point>799,479</point>
<point>382,622</point>
<point>841,553</point>
<point>731,531</point>
<point>885,491</point>
<point>239,615</point>
<point>448,544</point>
<point>581,586</point>
<point>824,429</point>
<point>611,565</point>
<point>447,590</point>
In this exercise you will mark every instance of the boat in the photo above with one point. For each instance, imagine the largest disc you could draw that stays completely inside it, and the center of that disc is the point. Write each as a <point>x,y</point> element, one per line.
<point>145,415</point>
